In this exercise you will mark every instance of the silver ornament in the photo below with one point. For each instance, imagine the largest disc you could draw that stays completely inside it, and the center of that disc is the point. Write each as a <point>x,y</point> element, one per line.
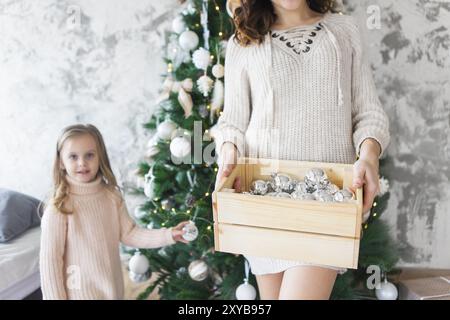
<point>282,182</point>
<point>316,177</point>
<point>343,195</point>
<point>181,272</point>
<point>259,187</point>
<point>190,231</point>
<point>332,188</point>
<point>323,196</point>
<point>198,270</point>
<point>279,194</point>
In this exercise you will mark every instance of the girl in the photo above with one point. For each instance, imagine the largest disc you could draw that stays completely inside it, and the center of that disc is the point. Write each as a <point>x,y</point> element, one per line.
<point>298,88</point>
<point>85,220</point>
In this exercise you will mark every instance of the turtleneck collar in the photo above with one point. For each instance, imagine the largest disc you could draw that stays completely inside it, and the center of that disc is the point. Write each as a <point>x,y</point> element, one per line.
<point>85,188</point>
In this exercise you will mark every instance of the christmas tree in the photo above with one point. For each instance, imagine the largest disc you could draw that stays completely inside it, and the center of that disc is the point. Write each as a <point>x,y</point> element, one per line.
<point>180,168</point>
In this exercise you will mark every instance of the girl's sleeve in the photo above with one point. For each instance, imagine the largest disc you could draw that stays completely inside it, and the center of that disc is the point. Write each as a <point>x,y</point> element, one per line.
<point>51,260</point>
<point>368,117</point>
<point>134,236</point>
<point>232,124</point>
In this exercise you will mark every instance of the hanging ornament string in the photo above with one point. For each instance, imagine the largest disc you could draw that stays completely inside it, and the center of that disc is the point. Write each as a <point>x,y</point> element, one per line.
<point>247,270</point>
<point>204,22</point>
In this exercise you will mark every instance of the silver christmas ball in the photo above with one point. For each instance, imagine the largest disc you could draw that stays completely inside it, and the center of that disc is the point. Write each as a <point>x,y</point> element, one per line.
<point>259,187</point>
<point>303,196</point>
<point>332,188</point>
<point>343,195</point>
<point>302,187</point>
<point>198,270</point>
<point>191,231</point>
<point>387,291</point>
<point>181,272</point>
<point>316,177</point>
<point>246,292</point>
<point>323,196</point>
<point>188,40</point>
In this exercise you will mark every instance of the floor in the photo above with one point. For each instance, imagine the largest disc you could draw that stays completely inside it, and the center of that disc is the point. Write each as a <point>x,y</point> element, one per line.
<point>132,290</point>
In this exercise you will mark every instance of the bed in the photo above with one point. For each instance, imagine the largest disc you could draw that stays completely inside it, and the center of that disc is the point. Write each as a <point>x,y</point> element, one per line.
<point>19,265</point>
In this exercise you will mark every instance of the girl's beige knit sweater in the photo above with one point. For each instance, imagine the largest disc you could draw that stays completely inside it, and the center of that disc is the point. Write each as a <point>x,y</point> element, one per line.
<point>79,256</point>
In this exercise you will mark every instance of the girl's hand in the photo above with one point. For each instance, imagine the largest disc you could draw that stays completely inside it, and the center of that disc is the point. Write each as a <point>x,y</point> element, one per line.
<point>227,162</point>
<point>177,232</point>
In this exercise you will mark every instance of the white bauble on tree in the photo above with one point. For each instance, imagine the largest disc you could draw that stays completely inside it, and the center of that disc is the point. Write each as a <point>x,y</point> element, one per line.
<point>165,129</point>
<point>246,291</point>
<point>201,58</point>
<point>198,270</point>
<point>218,96</point>
<point>180,147</point>
<point>387,291</point>
<point>204,84</point>
<point>149,188</point>
<point>218,71</point>
<point>139,213</point>
<point>138,263</point>
<point>178,25</point>
<point>188,40</point>
<point>384,186</point>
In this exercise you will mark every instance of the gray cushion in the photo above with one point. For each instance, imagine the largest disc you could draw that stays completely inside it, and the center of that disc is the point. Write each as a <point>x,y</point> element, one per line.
<point>18,213</point>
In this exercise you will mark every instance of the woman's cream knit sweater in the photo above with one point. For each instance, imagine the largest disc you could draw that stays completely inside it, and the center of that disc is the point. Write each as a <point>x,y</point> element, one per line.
<point>308,98</point>
<point>334,103</point>
<point>79,256</point>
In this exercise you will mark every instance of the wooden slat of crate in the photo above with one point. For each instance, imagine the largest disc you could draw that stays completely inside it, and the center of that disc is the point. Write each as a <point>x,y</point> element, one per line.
<point>288,214</point>
<point>313,248</point>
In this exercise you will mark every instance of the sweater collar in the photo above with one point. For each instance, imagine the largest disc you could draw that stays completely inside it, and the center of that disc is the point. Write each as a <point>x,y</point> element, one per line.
<point>85,188</point>
<point>266,48</point>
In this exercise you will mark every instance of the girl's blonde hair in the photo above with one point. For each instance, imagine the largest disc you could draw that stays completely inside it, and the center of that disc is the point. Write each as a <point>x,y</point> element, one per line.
<point>60,185</point>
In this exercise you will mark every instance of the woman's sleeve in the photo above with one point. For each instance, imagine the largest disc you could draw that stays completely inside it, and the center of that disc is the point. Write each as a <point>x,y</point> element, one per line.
<point>232,124</point>
<point>134,236</point>
<point>51,260</point>
<point>368,117</point>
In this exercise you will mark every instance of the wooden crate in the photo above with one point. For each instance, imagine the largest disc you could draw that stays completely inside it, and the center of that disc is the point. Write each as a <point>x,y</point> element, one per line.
<point>309,231</point>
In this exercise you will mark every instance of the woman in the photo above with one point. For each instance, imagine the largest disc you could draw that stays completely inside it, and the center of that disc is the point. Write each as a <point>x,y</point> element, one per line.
<point>298,88</point>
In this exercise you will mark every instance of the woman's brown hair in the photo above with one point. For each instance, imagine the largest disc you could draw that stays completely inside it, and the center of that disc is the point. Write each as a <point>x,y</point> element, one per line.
<point>253,18</point>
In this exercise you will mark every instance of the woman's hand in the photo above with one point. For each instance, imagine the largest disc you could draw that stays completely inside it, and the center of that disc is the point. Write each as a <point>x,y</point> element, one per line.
<point>365,172</point>
<point>227,162</point>
<point>177,232</point>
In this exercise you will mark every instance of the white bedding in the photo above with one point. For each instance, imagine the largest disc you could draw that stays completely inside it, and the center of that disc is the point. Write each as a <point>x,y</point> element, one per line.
<point>19,265</point>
